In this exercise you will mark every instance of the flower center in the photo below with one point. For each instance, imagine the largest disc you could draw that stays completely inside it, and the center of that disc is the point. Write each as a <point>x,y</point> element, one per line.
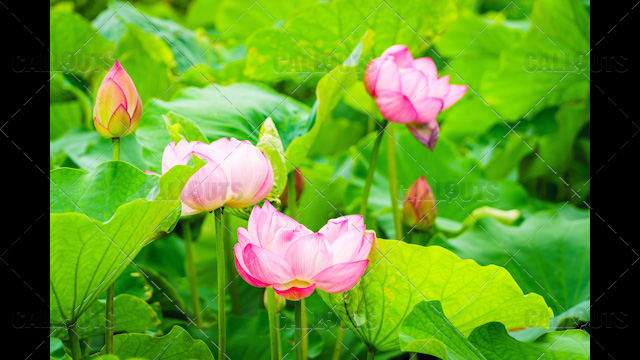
<point>296,283</point>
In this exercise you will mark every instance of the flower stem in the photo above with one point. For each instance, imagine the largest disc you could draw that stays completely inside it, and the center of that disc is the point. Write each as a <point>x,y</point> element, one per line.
<point>372,169</point>
<point>115,144</point>
<point>370,353</point>
<point>109,325</point>
<point>291,188</point>
<point>222,322</point>
<point>298,333</point>
<point>393,181</point>
<point>273,326</point>
<point>305,338</point>
<point>190,269</point>
<point>75,343</point>
<point>108,341</point>
<point>342,333</point>
<point>233,285</point>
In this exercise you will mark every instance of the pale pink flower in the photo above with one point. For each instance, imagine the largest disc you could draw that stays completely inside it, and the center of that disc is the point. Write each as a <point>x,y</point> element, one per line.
<point>236,175</point>
<point>118,107</point>
<point>277,251</point>
<point>409,91</point>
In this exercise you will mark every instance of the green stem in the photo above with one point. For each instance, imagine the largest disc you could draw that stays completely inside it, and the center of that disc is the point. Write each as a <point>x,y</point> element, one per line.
<point>222,322</point>
<point>393,181</point>
<point>109,324</point>
<point>291,188</point>
<point>233,285</point>
<point>372,169</point>
<point>190,269</point>
<point>370,353</point>
<point>75,343</point>
<point>279,335</point>
<point>305,338</point>
<point>108,340</point>
<point>298,332</point>
<point>273,330</point>
<point>342,333</point>
<point>115,144</point>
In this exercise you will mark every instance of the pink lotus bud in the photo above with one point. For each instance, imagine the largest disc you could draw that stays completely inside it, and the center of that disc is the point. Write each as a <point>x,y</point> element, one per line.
<point>277,251</point>
<point>236,175</point>
<point>419,205</point>
<point>299,181</point>
<point>118,107</point>
<point>280,301</point>
<point>409,91</point>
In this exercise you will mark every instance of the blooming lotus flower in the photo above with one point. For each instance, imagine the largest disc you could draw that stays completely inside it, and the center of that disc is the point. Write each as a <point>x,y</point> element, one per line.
<point>409,91</point>
<point>419,205</point>
<point>118,107</point>
<point>236,175</point>
<point>277,251</point>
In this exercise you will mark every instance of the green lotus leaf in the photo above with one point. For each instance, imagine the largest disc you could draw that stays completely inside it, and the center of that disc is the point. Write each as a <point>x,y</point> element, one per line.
<point>401,275</point>
<point>176,345</point>
<point>426,330</point>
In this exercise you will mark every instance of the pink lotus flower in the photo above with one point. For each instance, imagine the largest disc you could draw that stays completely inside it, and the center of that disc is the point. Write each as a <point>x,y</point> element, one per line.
<point>277,251</point>
<point>118,107</point>
<point>236,175</point>
<point>409,91</point>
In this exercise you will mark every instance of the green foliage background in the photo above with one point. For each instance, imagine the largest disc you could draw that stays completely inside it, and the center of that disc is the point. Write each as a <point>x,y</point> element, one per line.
<point>518,140</point>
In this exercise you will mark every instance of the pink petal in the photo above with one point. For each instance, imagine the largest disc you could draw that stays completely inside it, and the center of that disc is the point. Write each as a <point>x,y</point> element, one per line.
<point>294,293</point>
<point>266,186</point>
<point>266,266</point>
<point>206,190</point>
<point>427,108</point>
<point>242,269</point>
<point>110,96</point>
<point>340,277</point>
<point>371,75</point>
<point>308,255</point>
<point>396,107</point>
<point>244,239</point>
<point>265,222</point>
<point>335,227</point>
<point>249,170</point>
<point>351,246</point>
<point>401,55</point>
<point>427,133</point>
<point>285,237</point>
<point>120,76</point>
<point>186,210</point>
<point>414,85</point>
<point>439,88</point>
<point>151,173</point>
<point>456,93</point>
<point>388,77</point>
<point>427,67</point>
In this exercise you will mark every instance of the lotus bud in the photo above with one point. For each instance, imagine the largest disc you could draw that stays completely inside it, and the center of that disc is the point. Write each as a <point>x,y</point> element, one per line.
<point>419,205</point>
<point>299,181</point>
<point>280,301</point>
<point>118,107</point>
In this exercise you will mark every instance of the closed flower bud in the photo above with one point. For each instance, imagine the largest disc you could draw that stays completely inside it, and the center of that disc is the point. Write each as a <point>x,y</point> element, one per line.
<point>419,206</point>
<point>284,198</point>
<point>118,107</point>
<point>280,301</point>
